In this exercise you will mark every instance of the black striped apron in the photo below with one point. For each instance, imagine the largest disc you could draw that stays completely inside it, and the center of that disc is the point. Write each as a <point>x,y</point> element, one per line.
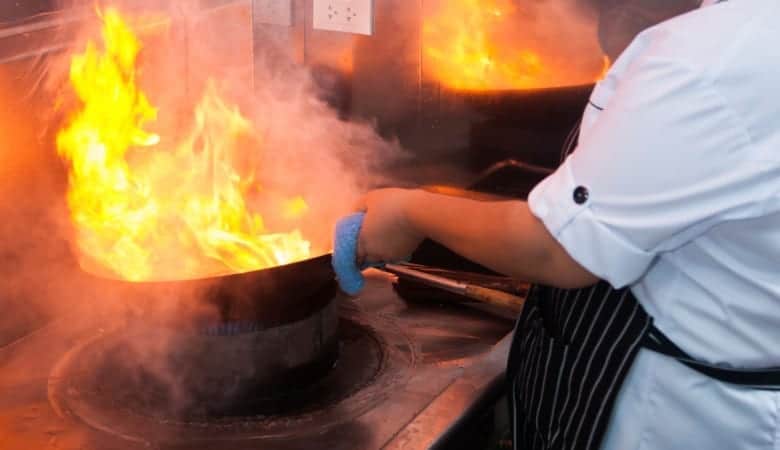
<point>571,352</point>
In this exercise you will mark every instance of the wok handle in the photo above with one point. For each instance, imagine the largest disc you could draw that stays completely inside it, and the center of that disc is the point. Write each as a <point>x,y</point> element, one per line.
<point>495,297</point>
<point>474,292</point>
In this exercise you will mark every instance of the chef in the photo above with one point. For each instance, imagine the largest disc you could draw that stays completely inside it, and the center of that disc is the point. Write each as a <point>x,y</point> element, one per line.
<point>655,248</point>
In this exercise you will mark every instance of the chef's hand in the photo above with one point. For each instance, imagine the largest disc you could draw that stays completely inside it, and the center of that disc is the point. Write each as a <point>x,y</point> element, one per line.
<point>386,234</point>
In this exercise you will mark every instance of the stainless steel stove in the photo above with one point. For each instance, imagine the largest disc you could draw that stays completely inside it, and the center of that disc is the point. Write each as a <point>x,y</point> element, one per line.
<point>408,374</point>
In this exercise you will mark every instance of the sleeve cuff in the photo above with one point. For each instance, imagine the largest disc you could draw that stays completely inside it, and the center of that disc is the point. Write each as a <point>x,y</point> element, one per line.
<point>566,209</point>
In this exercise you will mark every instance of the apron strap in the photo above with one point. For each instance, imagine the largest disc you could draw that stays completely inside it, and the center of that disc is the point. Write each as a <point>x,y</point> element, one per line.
<point>763,379</point>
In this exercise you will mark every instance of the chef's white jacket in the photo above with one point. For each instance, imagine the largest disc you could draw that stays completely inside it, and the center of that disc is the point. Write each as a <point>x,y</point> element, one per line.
<point>679,155</point>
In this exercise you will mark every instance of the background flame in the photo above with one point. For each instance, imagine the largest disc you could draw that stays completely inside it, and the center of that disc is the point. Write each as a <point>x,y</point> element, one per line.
<point>147,206</point>
<point>496,44</point>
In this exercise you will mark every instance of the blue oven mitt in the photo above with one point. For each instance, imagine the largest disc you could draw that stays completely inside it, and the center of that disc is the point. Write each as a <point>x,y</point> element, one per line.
<point>344,260</point>
<point>345,247</point>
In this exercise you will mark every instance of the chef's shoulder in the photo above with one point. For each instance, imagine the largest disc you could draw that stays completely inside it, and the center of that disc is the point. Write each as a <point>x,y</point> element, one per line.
<point>728,50</point>
<point>708,38</point>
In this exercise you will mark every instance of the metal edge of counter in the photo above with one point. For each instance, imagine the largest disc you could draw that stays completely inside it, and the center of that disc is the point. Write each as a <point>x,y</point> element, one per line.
<point>438,424</point>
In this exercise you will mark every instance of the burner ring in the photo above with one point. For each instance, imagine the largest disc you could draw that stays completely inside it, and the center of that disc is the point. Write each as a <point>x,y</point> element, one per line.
<point>375,356</point>
<point>220,369</point>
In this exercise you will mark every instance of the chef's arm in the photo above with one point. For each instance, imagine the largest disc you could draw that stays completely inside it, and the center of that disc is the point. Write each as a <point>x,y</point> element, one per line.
<point>501,235</point>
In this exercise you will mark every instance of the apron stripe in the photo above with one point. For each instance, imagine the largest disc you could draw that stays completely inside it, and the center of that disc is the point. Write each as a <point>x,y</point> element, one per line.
<point>535,385</point>
<point>595,384</point>
<point>544,382</point>
<point>627,357</point>
<point>575,308</point>
<point>571,310</point>
<point>537,379</point>
<point>600,377</point>
<point>606,330</point>
<point>558,306</point>
<point>581,351</point>
<point>513,414</point>
<point>528,378</point>
<point>558,381</point>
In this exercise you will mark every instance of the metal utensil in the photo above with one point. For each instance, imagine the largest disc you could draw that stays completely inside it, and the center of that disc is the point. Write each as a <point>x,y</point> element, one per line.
<point>472,291</point>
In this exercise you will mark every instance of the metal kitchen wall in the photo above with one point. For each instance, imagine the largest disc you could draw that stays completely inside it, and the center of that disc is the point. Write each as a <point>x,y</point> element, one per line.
<point>386,78</point>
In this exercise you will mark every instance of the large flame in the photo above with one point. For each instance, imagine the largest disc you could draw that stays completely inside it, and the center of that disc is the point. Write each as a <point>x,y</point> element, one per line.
<point>490,45</point>
<point>146,207</point>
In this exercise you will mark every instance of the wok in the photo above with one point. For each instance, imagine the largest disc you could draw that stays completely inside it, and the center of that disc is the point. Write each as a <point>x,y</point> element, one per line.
<point>533,106</point>
<point>269,297</point>
<point>244,343</point>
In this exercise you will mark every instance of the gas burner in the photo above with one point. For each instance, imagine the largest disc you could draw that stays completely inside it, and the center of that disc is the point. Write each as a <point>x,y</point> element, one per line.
<point>374,357</point>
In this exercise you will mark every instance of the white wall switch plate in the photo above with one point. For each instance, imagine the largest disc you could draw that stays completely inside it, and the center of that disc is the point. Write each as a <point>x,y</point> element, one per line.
<point>273,12</point>
<point>348,16</point>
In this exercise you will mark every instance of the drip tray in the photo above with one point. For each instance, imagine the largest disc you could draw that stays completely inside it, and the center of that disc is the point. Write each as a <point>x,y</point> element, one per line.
<point>92,384</point>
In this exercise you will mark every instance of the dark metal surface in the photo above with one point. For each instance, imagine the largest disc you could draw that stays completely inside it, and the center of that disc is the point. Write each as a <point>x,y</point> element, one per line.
<point>438,360</point>
<point>528,125</point>
<point>271,297</point>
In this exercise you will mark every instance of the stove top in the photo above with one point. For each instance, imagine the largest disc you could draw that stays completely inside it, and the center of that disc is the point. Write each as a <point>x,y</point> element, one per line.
<point>407,374</point>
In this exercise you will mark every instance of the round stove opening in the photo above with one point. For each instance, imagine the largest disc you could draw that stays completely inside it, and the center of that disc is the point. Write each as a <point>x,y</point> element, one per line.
<point>94,386</point>
<point>218,368</point>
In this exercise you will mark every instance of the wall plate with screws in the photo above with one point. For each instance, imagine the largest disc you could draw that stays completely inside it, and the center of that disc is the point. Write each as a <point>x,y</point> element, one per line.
<point>348,16</point>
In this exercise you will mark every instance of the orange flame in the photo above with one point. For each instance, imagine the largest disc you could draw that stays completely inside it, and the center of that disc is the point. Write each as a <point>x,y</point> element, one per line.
<point>145,208</point>
<point>481,44</point>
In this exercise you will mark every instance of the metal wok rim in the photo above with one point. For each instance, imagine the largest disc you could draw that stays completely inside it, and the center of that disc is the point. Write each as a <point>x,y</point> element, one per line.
<point>211,278</point>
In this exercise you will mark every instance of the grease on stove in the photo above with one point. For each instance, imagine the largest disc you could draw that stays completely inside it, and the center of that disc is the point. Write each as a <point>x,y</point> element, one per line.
<point>446,334</point>
<point>472,332</point>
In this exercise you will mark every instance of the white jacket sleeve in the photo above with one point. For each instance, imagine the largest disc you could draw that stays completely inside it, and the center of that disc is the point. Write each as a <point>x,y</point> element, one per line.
<point>660,165</point>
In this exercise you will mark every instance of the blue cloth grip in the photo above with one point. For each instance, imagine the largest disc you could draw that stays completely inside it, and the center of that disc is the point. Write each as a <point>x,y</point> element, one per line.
<point>345,247</point>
